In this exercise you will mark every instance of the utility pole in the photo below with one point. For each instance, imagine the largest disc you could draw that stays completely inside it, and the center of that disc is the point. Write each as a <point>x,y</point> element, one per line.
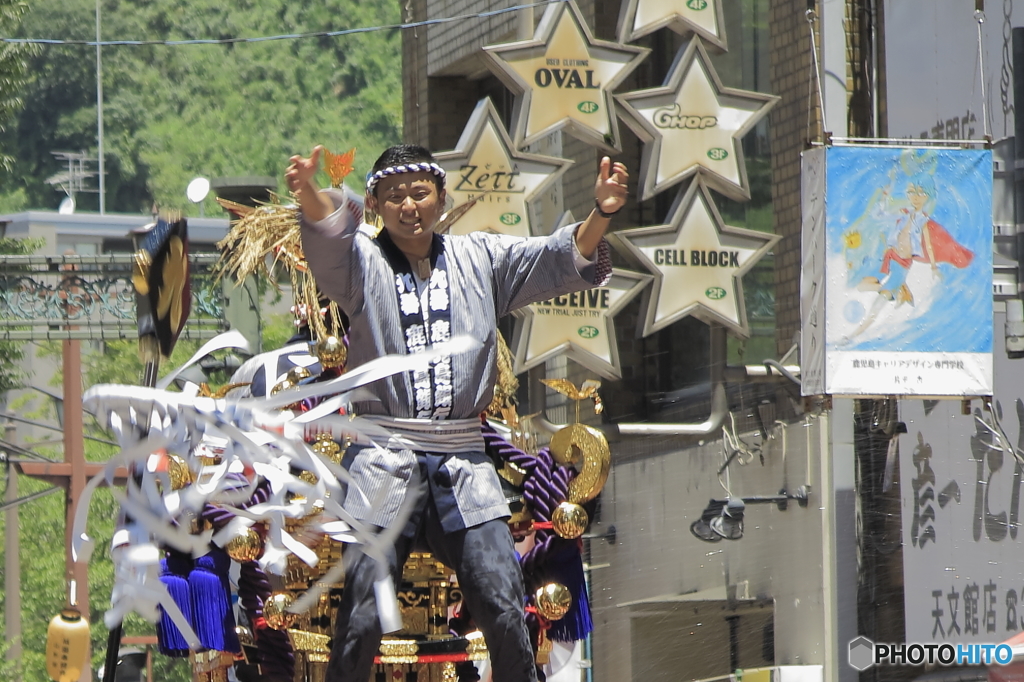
<point>74,456</point>
<point>12,563</point>
<point>99,114</point>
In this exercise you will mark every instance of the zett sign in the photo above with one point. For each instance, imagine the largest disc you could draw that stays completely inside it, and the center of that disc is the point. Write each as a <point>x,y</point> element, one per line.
<point>485,166</point>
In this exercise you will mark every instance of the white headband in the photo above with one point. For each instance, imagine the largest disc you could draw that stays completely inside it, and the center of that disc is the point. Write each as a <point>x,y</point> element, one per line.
<point>371,182</point>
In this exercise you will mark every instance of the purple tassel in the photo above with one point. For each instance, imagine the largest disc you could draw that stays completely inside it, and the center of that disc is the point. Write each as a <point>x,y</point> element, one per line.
<point>214,621</point>
<point>173,574</point>
<point>576,624</point>
<point>552,558</point>
<point>273,648</point>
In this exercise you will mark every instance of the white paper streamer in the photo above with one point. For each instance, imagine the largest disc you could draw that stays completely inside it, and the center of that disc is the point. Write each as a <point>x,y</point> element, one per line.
<point>229,339</point>
<point>248,436</point>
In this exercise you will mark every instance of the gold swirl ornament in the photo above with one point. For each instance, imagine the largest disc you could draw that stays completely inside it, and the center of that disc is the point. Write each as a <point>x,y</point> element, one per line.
<point>553,601</point>
<point>275,611</point>
<point>586,449</point>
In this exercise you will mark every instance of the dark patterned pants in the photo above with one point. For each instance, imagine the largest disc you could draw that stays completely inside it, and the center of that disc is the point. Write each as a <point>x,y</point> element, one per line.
<point>489,575</point>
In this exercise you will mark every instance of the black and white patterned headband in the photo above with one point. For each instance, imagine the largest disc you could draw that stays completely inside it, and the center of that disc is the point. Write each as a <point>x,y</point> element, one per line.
<point>371,181</point>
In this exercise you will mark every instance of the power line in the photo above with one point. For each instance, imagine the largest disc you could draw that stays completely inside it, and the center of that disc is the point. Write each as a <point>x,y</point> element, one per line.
<point>264,39</point>
<point>29,498</point>
<point>52,428</point>
<point>4,445</point>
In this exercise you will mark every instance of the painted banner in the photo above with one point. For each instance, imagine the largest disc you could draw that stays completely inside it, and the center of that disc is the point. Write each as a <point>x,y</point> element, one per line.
<point>960,486</point>
<point>907,262</point>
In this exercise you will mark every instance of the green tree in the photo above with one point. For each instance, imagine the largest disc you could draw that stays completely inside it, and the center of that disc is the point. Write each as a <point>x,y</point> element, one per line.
<point>11,352</point>
<point>172,113</point>
<point>42,529</point>
<point>13,66</point>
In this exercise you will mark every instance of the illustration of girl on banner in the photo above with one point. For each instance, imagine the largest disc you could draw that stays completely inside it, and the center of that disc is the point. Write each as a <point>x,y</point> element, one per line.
<point>882,246</point>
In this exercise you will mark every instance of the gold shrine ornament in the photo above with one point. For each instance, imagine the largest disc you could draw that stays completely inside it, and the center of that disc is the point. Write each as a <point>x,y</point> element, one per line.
<point>275,611</point>
<point>569,520</point>
<point>67,646</point>
<point>331,352</point>
<point>175,274</point>
<point>245,547</point>
<point>338,166</point>
<point>326,447</point>
<point>178,472</point>
<point>553,601</point>
<point>292,379</point>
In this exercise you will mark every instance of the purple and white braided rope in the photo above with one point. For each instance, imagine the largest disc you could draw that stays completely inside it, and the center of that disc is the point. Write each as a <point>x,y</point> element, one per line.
<point>371,182</point>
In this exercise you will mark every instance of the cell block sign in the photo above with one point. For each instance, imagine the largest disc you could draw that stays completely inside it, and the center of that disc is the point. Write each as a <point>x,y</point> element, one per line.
<point>896,279</point>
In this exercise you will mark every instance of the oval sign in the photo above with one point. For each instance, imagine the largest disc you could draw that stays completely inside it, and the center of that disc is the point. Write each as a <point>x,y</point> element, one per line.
<point>510,218</point>
<point>715,293</point>
<point>697,4</point>
<point>588,332</point>
<point>588,107</point>
<point>717,154</point>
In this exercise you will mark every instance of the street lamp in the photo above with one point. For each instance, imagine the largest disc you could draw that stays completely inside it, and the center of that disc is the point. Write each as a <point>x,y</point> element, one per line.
<point>723,519</point>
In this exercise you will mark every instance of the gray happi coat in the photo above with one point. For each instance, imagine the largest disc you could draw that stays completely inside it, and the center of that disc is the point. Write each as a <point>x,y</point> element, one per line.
<point>489,276</point>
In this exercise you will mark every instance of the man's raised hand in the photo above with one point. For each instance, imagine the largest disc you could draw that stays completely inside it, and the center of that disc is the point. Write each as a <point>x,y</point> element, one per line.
<point>300,172</point>
<point>611,188</point>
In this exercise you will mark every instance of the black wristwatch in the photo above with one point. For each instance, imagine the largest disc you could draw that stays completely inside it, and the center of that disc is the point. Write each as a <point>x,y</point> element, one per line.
<point>597,207</point>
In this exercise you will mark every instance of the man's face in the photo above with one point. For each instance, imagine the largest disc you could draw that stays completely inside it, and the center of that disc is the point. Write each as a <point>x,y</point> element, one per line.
<point>917,196</point>
<point>409,203</point>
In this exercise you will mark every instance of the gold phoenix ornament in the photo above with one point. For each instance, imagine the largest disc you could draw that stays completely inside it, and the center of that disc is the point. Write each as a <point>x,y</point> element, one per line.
<point>581,446</point>
<point>338,166</point>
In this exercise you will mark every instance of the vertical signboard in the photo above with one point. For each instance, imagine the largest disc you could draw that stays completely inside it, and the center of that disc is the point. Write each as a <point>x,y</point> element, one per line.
<point>907,272</point>
<point>960,482</point>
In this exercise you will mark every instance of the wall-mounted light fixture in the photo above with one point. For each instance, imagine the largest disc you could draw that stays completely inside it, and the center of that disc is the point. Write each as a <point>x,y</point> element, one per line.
<point>723,519</point>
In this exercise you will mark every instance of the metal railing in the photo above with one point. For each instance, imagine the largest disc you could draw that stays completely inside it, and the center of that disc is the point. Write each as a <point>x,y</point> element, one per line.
<point>92,297</point>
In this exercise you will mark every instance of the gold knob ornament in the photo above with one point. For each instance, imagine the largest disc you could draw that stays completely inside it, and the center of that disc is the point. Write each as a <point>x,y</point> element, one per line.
<point>275,611</point>
<point>569,520</point>
<point>553,601</point>
<point>245,547</point>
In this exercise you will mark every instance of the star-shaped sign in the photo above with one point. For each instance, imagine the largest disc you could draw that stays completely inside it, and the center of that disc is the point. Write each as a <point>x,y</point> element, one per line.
<point>694,124</point>
<point>564,78</point>
<point>485,165</point>
<point>703,17</point>
<point>698,263</point>
<point>580,325</point>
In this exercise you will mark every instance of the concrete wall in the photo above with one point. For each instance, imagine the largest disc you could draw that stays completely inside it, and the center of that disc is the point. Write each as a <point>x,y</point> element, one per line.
<point>656,565</point>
